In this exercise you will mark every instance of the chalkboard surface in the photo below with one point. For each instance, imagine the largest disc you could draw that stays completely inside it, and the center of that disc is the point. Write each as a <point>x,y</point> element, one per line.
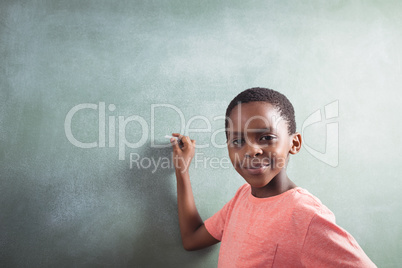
<point>89,89</point>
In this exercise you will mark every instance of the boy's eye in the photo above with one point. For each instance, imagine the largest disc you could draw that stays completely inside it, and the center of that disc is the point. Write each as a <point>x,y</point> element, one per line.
<point>237,142</point>
<point>267,138</point>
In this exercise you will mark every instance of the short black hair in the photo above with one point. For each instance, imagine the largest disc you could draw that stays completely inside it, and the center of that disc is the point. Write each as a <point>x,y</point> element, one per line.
<point>278,100</point>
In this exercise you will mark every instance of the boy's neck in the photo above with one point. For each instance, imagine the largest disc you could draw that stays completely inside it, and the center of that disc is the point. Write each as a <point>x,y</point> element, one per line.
<point>278,185</point>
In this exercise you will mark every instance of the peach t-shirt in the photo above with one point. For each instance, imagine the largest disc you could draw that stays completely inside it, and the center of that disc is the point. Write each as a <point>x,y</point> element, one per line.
<point>293,229</point>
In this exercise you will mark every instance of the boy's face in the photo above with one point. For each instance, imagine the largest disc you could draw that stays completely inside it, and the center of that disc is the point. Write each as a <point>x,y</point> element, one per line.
<point>259,142</point>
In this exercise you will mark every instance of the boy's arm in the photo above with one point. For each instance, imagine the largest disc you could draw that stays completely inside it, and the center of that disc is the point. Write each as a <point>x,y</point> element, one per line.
<point>194,235</point>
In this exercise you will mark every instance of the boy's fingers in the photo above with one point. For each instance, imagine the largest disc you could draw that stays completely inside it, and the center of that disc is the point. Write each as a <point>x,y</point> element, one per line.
<point>175,144</point>
<point>177,135</point>
<point>185,140</point>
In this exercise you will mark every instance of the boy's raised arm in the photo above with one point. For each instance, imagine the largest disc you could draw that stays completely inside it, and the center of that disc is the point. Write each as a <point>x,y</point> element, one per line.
<point>193,232</point>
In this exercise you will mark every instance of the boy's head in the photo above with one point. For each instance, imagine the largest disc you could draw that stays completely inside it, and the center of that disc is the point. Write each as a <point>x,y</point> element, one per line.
<point>277,99</point>
<point>261,133</point>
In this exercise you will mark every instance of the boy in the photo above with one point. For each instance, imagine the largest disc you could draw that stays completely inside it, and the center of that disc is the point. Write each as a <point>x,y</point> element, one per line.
<point>270,222</point>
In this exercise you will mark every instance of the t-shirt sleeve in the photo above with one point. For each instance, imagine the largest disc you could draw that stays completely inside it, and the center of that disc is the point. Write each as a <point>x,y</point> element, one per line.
<point>328,245</point>
<point>215,225</point>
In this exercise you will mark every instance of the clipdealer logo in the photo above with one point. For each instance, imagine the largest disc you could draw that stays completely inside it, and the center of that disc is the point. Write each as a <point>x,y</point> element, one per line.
<point>330,156</point>
<point>147,131</point>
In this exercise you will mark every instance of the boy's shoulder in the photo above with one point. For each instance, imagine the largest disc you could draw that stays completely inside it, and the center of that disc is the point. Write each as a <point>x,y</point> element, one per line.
<point>308,204</point>
<point>305,198</point>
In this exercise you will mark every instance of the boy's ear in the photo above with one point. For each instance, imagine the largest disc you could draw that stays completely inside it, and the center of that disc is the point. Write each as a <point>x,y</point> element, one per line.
<point>296,143</point>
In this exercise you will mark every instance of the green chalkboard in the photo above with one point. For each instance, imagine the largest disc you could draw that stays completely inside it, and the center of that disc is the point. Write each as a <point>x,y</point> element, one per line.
<point>89,89</point>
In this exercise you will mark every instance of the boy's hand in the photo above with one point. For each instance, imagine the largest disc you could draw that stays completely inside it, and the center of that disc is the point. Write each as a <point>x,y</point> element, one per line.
<point>182,155</point>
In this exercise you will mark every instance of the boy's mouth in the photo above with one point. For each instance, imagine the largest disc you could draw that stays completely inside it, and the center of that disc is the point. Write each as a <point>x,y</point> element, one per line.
<point>256,168</point>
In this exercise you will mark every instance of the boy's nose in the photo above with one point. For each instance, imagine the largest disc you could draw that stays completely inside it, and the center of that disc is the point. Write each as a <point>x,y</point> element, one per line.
<point>253,150</point>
